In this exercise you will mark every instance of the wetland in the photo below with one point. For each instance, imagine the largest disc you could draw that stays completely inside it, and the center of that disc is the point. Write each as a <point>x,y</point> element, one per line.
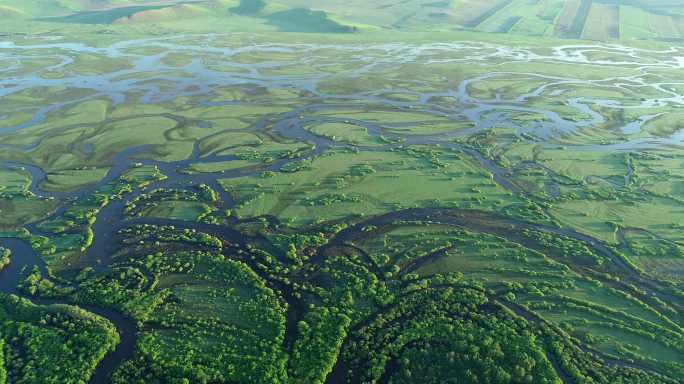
<point>223,208</point>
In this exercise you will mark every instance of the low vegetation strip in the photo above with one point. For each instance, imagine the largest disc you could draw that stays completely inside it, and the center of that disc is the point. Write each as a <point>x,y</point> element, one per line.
<point>579,22</point>
<point>602,23</point>
<point>104,17</point>
<point>498,6</point>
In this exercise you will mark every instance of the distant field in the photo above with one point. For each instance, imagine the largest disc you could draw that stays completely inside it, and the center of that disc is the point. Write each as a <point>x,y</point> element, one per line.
<point>603,22</point>
<point>105,16</point>
<point>576,19</point>
<point>587,19</point>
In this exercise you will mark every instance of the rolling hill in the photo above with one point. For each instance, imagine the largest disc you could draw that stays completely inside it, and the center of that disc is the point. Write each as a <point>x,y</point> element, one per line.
<point>578,19</point>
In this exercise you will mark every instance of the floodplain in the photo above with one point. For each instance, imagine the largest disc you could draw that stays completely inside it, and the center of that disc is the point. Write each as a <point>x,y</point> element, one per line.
<point>218,208</point>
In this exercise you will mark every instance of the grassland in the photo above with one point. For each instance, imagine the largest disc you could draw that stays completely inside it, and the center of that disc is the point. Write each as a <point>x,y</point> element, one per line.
<point>73,179</point>
<point>347,133</point>
<point>586,19</point>
<point>340,185</point>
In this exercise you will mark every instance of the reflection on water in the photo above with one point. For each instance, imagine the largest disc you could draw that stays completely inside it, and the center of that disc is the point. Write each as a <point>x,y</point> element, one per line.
<point>147,71</point>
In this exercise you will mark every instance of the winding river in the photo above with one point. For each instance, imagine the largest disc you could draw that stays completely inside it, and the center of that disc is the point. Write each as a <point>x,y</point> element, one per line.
<point>201,75</point>
<point>111,219</point>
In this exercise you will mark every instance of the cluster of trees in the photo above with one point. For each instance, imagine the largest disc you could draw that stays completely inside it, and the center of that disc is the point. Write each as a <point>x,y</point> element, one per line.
<point>206,193</point>
<point>331,198</point>
<point>430,155</point>
<point>299,246</point>
<point>155,235</point>
<point>56,344</point>
<point>296,166</point>
<point>34,284</point>
<point>3,370</point>
<point>436,334</point>
<point>570,249</point>
<point>361,170</point>
<point>397,248</point>
<point>167,263</point>
<point>655,248</point>
<point>527,211</point>
<point>583,368</point>
<point>5,255</point>
<point>86,209</point>
<point>212,320</point>
<point>152,199</point>
<point>42,244</point>
<point>118,288</point>
<point>347,284</point>
<point>220,323</point>
<point>140,176</point>
<point>319,338</point>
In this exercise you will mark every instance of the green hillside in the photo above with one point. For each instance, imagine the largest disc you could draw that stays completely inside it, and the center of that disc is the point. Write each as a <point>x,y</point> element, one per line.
<point>578,19</point>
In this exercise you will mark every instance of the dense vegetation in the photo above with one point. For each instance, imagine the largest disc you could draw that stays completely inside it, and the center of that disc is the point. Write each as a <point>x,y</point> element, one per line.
<point>51,344</point>
<point>5,255</point>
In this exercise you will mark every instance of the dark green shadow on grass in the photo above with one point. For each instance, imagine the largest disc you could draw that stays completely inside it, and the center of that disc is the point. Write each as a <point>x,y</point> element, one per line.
<point>307,21</point>
<point>103,17</point>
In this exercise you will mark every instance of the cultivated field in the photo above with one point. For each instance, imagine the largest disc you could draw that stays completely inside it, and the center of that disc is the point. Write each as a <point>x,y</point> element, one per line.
<point>585,19</point>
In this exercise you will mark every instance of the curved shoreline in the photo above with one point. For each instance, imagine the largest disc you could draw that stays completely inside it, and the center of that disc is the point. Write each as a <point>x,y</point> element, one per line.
<point>117,84</point>
<point>24,258</point>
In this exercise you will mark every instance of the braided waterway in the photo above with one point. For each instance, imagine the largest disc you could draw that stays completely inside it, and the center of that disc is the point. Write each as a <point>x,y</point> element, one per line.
<point>199,78</point>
